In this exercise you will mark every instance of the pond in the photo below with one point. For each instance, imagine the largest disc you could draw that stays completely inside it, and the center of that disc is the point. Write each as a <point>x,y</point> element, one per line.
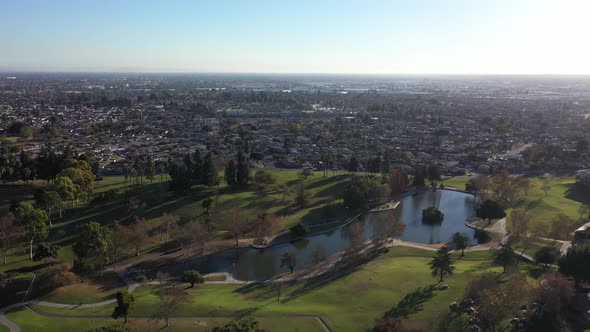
<point>262,264</point>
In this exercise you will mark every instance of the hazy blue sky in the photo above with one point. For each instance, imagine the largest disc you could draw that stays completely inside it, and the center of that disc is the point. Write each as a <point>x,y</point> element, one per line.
<point>364,36</point>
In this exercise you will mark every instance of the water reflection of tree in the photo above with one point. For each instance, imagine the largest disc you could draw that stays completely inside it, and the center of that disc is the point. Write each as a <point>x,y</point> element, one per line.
<point>355,233</point>
<point>434,233</point>
<point>388,225</point>
<point>300,244</point>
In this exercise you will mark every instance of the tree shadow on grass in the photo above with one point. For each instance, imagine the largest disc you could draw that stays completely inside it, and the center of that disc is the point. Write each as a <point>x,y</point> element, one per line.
<point>257,291</point>
<point>333,191</point>
<point>481,266</point>
<point>341,269</point>
<point>411,303</point>
<point>579,193</point>
<point>328,180</point>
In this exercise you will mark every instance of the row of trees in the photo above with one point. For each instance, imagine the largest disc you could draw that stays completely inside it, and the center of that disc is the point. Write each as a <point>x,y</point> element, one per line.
<point>99,245</point>
<point>193,169</point>
<point>20,165</point>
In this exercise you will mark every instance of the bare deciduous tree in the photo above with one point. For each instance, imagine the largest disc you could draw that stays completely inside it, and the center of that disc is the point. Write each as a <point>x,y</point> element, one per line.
<point>10,233</point>
<point>237,223</point>
<point>170,300</point>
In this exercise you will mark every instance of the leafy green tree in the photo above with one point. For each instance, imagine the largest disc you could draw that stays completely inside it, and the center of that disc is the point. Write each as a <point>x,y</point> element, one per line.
<point>432,215</point>
<point>125,305</point>
<point>505,256</point>
<point>263,178</point>
<point>441,264</point>
<point>490,209</point>
<point>461,242</point>
<point>289,260</point>
<point>45,250</point>
<point>82,178</point>
<point>49,201</point>
<point>65,188</point>
<point>192,277</point>
<point>93,240</point>
<point>546,256</point>
<point>34,222</point>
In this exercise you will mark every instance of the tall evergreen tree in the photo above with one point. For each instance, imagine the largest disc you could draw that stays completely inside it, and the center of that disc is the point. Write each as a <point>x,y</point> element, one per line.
<point>353,164</point>
<point>210,171</point>
<point>46,163</point>
<point>441,264</point>
<point>197,167</point>
<point>243,169</point>
<point>150,169</point>
<point>230,174</point>
<point>375,165</point>
<point>419,176</point>
<point>386,163</point>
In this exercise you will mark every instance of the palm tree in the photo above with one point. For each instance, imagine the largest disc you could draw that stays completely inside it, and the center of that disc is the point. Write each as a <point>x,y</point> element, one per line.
<point>441,264</point>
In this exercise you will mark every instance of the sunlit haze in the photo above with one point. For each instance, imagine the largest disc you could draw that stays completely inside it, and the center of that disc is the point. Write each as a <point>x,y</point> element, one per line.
<point>379,37</point>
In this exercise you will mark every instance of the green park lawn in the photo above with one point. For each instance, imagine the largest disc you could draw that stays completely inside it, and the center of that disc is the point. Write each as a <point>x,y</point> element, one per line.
<point>564,196</point>
<point>456,182</point>
<point>30,322</point>
<point>534,245</point>
<point>350,302</point>
<point>154,199</point>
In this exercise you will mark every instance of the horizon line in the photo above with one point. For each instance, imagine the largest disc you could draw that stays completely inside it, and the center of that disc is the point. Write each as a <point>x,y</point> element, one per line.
<point>9,71</point>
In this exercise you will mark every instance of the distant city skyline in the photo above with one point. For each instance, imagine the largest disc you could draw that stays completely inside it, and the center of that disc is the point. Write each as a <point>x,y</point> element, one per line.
<point>329,37</point>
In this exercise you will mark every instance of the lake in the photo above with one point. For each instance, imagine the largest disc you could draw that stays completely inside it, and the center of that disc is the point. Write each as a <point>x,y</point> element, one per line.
<point>262,264</point>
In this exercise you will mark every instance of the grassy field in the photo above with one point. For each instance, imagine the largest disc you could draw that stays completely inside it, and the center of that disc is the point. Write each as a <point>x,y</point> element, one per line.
<point>456,182</point>
<point>348,303</point>
<point>564,196</point>
<point>152,199</point>
<point>30,322</point>
<point>534,245</point>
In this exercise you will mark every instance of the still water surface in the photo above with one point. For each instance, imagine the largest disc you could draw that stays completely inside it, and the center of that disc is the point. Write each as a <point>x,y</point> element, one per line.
<point>261,264</point>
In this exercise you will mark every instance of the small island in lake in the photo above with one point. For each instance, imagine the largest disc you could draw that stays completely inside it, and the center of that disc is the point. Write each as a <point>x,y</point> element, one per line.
<point>432,215</point>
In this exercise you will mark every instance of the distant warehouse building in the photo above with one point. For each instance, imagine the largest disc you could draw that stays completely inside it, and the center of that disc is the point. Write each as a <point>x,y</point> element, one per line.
<point>584,177</point>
